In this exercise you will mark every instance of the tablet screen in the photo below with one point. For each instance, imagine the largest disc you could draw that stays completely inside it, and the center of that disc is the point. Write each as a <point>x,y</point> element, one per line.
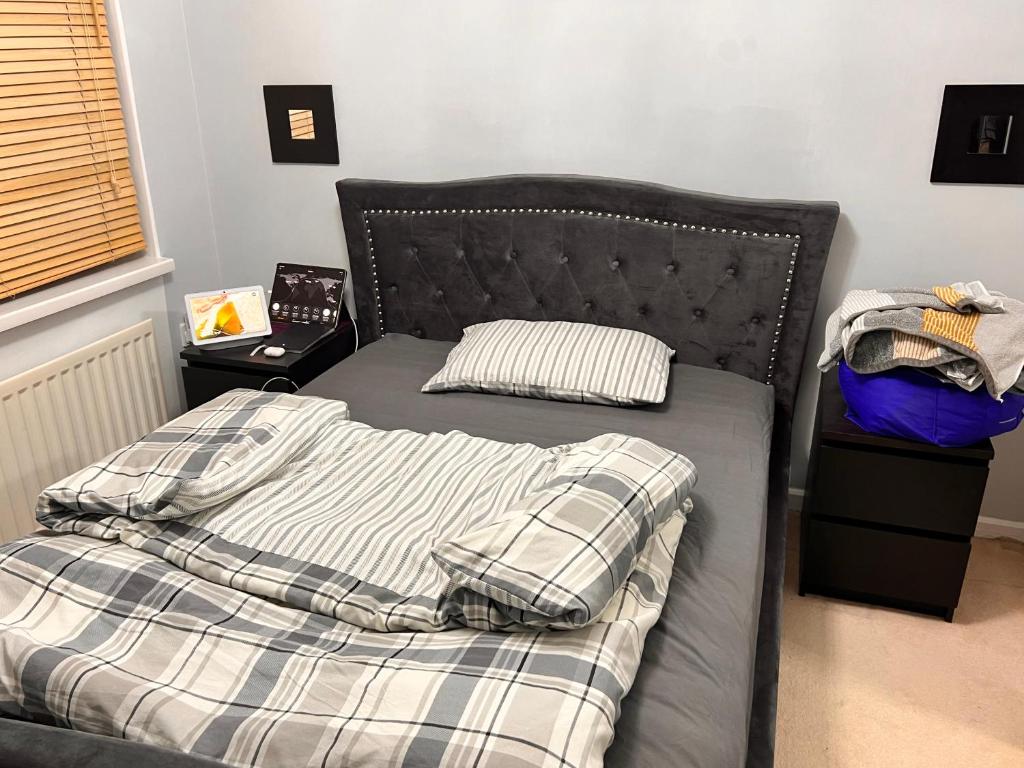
<point>227,314</point>
<point>307,294</point>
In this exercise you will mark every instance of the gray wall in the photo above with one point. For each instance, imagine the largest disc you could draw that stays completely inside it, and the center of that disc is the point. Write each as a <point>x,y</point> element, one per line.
<point>802,99</point>
<point>169,128</point>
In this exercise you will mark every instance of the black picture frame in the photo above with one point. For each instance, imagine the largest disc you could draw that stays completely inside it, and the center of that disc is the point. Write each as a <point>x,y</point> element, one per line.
<point>323,149</point>
<point>969,112</point>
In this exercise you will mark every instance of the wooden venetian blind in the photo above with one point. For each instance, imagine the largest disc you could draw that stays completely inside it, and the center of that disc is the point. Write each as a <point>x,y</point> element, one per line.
<point>67,200</point>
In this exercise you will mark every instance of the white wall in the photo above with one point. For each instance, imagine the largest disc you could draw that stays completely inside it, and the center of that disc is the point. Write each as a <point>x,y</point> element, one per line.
<point>39,342</point>
<point>813,99</point>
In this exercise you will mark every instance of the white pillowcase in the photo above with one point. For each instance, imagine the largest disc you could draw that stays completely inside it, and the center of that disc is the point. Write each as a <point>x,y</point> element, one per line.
<point>557,360</point>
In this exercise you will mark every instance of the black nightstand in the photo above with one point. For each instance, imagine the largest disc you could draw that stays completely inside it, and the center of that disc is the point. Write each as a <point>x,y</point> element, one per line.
<point>887,521</point>
<point>213,372</point>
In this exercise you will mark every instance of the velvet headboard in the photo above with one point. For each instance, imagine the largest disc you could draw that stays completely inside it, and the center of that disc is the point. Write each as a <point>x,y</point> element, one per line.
<point>727,282</point>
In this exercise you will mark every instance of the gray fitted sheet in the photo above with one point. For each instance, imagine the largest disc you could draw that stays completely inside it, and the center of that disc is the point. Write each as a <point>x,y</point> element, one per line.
<point>691,700</point>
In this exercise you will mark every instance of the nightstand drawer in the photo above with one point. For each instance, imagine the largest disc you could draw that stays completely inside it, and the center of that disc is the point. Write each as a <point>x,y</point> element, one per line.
<point>895,567</point>
<point>204,384</point>
<point>878,487</point>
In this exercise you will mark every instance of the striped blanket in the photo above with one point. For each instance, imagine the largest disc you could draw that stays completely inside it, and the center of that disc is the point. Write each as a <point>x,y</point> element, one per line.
<point>961,332</point>
<point>192,606</point>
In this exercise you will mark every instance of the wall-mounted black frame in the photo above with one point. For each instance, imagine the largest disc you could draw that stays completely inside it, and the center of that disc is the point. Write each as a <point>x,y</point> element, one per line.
<point>981,135</point>
<point>317,98</point>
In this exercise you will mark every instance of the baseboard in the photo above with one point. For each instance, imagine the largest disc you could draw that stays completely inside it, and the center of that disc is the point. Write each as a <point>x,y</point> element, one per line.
<point>796,499</point>
<point>996,528</point>
<point>988,527</point>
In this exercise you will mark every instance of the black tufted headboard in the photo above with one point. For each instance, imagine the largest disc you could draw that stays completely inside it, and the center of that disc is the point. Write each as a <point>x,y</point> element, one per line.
<point>727,282</point>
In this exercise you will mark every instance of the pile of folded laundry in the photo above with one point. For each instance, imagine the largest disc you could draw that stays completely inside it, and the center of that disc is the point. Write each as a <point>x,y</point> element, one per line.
<point>942,365</point>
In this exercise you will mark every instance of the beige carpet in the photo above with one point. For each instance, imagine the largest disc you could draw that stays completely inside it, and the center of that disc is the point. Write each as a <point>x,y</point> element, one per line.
<point>867,687</point>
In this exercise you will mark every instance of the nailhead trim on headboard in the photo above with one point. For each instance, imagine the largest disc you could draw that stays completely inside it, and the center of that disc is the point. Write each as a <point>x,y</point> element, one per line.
<point>571,211</point>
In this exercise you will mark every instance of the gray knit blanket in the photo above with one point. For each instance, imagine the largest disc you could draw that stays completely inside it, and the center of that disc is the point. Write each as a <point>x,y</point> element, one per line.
<point>961,332</point>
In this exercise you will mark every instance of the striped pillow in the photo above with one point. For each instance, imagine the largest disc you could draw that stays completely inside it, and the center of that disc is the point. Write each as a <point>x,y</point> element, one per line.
<point>557,361</point>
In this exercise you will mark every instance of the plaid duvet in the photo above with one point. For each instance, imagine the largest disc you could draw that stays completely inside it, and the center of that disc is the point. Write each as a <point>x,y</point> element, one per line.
<point>105,632</point>
<point>561,553</point>
<point>209,453</point>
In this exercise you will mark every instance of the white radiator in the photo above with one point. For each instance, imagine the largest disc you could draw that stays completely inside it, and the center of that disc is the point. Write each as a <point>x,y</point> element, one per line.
<point>65,414</point>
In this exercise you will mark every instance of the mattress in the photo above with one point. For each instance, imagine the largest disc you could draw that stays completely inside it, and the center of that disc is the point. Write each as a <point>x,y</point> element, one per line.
<point>690,703</point>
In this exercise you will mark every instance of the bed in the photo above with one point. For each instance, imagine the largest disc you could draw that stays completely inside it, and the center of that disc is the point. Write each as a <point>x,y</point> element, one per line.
<point>730,284</point>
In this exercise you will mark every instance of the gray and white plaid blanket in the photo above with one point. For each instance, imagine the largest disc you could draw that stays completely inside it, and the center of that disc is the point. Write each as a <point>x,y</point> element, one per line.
<point>103,631</point>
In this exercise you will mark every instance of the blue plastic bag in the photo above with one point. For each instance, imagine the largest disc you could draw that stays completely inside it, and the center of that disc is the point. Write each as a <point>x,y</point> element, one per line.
<point>904,402</point>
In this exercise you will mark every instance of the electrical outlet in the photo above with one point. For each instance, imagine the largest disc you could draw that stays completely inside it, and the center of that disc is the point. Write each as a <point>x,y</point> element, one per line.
<point>183,334</point>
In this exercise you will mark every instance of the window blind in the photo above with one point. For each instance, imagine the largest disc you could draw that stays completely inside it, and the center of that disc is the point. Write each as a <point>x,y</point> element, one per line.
<point>67,199</point>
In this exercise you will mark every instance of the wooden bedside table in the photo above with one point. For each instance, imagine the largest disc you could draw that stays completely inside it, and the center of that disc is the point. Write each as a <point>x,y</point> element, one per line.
<point>886,520</point>
<point>213,372</point>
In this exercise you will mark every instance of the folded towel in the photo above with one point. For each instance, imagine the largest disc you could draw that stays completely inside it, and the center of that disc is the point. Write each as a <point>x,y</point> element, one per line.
<point>948,328</point>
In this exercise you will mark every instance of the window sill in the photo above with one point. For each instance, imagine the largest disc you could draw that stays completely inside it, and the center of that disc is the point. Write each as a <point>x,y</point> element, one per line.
<point>79,290</point>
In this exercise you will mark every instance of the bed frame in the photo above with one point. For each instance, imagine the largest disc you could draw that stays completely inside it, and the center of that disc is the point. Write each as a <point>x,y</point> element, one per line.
<point>727,282</point>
